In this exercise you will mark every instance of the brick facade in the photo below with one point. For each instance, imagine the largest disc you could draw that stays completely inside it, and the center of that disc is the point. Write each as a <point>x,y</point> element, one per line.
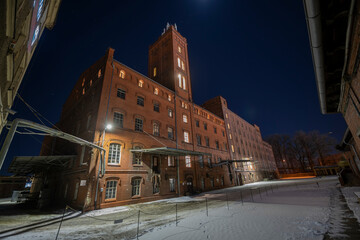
<point>146,113</point>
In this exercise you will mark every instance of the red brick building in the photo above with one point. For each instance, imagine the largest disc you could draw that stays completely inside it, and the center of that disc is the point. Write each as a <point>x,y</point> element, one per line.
<point>161,143</point>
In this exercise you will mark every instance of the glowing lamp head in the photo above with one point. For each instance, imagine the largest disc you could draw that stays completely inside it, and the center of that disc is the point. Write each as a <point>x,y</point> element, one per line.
<point>108,126</point>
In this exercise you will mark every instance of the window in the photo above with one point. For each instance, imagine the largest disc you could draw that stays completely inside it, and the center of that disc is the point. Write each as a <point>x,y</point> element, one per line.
<point>230,136</point>
<point>179,62</point>
<point>156,129</point>
<point>170,133</point>
<point>154,72</point>
<point>99,73</point>
<point>197,123</point>
<point>90,82</point>
<point>122,74</point>
<point>215,130</point>
<point>114,153</point>
<point>180,82</point>
<point>179,49</point>
<point>201,161</point>
<point>225,146</point>
<point>226,115</point>
<point>83,82</point>
<point>209,162</point>
<point>170,112</point>
<point>140,101</point>
<point>88,122</point>
<point>212,182</point>
<point>141,83</point>
<point>184,86</point>
<point>228,125</point>
<point>223,133</point>
<point>83,91</point>
<point>185,119</point>
<point>207,141</point>
<point>222,181</point>
<point>198,140</point>
<point>110,191</point>
<point>217,144</point>
<point>156,91</point>
<point>76,191</point>
<point>186,136</point>
<point>172,184</point>
<point>135,182</point>
<point>171,161</point>
<point>121,93</point>
<point>187,161</point>
<point>169,97</point>
<point>182,65</point>
<point>118,119</point>
<point>137,157</point>
<point>138,124</point>
<point>156,107</point>
<point>205,126</point>
<point>232,148</point>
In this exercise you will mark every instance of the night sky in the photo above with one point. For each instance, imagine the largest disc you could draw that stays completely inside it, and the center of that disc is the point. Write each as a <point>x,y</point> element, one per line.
<point>256,54</point>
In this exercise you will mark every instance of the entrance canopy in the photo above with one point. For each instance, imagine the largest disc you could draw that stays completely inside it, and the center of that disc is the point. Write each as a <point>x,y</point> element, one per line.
<point>32,164</point>
<point>169,151</point>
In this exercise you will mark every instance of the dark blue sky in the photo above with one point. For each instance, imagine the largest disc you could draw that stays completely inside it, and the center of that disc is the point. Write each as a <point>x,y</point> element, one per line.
<point>256,54</point>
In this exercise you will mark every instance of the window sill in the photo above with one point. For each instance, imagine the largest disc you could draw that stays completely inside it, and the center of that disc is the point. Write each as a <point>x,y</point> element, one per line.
<point>113,165</point>
<point>110,200</point>
<point>138,165</point>
<point>136,197</point>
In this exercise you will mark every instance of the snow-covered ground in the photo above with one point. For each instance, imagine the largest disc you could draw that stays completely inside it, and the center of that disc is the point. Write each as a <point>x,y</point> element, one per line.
<point>286,209</point>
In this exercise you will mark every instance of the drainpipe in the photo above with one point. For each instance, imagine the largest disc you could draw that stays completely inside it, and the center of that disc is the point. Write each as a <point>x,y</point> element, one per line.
<point>347,43</point>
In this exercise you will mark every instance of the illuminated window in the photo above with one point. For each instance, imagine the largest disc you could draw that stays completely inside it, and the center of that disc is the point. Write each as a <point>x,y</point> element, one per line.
<point>183,80</point>
<point>156,91</point>
<point>188,161</point>
<point>137,157</point>
<point>226,115</point>
<point>122,74</point>
<point>230,136</point>
<point>182,65</point>
<point>179,49</point>
<point>90,82</point>
<point>185,119</point>
<point>228,125</point>
<point>83,82</point>
<point>99,73</point>
<point>170,133</point>
<point>186,136</point>
<point>154,71</point>
<point>171,161</point>
<point>39,11</point>
<point>169,97</point>
<point>110,192</point>
<point>179,62</point>
<point>232,148</point>
<point>83,91</point>
<point>172,184</point>
<point>170,112</point>
<point>114,153</point>
<point>156,129</point>
<point>141,83</point>
<point>180,82</point>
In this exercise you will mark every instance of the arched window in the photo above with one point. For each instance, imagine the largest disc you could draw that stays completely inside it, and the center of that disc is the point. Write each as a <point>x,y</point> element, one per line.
<point>141,83</point>
<point>156,129</point>
<point>114,153</point>
<point>156,91</point>
<point>137,157</point>
<point>99,73</point>
<point>122,74</point>
<point>185,118</point>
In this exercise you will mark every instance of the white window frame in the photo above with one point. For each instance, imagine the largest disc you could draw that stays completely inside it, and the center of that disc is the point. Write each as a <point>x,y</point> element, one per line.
<point>117,155</point>
<point>188,161</point>
<point>111,190</point>
<point>186,136</point>
<point>185,118</point>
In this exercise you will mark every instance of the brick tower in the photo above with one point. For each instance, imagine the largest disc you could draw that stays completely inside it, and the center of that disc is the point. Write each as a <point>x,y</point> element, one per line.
<point>169,62</point>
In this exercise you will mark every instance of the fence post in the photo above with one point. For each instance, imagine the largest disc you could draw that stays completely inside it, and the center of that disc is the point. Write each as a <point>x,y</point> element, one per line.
<point>176,214</point>
<point>207,211</point>
<point>227,201</point>
<point>137,232</point>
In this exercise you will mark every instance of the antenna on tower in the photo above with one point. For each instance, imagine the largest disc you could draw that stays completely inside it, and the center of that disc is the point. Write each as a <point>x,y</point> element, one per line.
<point>167,25</point>
<point>175,26</point>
